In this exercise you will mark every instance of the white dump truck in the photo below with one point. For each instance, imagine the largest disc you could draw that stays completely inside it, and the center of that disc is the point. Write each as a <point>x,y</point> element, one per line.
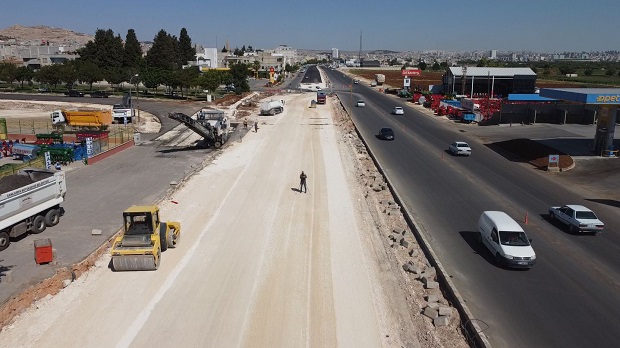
<point>30,202</point>
<point>380,78</point>
<point>272,107</point>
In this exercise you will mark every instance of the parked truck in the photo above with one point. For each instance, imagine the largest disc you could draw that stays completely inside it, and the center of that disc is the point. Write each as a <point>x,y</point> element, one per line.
<point>79,120</point>
<point>380,78</point>
<point>321,97</point>
<point>30,202</point>
<point>271,107</point>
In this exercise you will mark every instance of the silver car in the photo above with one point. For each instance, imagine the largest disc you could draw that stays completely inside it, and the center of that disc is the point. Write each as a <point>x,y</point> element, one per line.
<point>460,148</point>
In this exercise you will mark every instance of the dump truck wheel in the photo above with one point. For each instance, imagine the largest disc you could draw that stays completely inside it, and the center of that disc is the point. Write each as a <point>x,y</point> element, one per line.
<point>38,225</point>
<point>163,241</point>
<point>218,144</point>
<point>5,241</point>
<point>52,217</point>
<point>172,239</point>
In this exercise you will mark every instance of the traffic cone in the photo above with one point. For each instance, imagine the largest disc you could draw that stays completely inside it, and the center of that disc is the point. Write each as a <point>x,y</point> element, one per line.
<point>525,218</point>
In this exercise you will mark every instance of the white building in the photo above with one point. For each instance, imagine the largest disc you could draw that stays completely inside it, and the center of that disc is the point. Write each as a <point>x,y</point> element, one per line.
<point>335,53</point>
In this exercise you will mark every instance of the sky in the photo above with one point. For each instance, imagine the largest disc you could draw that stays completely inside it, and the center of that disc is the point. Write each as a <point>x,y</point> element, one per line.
<point>544,26</point>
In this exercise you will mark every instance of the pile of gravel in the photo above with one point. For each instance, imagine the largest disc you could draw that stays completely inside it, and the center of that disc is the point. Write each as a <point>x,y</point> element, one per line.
<point>12,182</point>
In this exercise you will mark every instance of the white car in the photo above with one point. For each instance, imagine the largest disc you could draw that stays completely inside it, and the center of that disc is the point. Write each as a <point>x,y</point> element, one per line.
<point>398,110</point>
<point>577,217</point>
<point>460,148</point>
<point>360,103</point>
<point>356,81</point>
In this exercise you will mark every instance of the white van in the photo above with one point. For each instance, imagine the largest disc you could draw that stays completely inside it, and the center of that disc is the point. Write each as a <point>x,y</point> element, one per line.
<point>506,240</point>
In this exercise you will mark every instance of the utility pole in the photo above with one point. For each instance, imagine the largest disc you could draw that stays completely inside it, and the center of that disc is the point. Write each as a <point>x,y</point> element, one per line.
<point>359,57</point>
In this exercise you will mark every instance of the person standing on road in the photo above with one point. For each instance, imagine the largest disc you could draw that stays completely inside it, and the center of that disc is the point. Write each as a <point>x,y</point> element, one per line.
<point>245,123</point>
<point>255,126</point>
<point>302,182</point>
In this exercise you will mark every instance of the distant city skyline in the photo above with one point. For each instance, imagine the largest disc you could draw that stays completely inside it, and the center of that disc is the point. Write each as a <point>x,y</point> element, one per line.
<point>398,25</point>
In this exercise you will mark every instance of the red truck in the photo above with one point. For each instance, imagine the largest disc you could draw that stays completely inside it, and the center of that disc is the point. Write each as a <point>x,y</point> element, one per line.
<point>321,97</point>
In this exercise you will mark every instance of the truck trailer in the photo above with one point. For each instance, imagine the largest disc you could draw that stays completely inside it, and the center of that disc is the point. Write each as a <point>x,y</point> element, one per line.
<point>81,119</point>
<point>321,97</point>
<point>30,202</point>
<point>380,78</point>
<point>271,107</point>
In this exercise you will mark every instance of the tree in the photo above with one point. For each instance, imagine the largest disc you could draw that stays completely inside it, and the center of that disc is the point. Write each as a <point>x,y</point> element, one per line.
<point>132,51</point>
<point>436,66</point>
<point>393,62</point>
<point>68,73</point>
<point>8,72</point>
<point>23,74</point>
<point>239,77</point>
<point>188,78</point>
<point>610,72</point>
<point>187,52</point>
<point>49,74</point>
<point>88,72</point>
<point>150,78</point>
<point>106,51</point>
<point>224,50</point>
<point>483,62</point>
<point>163,53</point>
<point>210,80</point>
<point>422,65</point>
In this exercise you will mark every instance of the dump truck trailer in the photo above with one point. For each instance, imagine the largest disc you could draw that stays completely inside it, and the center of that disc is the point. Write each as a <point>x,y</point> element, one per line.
<point>271,107</point>
<point>81,119</point>
<point>30,202</point>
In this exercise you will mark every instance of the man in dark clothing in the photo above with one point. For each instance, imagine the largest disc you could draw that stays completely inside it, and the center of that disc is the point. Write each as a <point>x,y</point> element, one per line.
<point>255,126</point>
<point>302,182</point>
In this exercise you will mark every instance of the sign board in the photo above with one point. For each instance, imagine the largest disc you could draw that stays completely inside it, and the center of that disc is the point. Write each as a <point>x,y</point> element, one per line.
<point>271,70</point>
<point>554,160</point>
<point>89,147</point>
<point>48,160</point>
<point>410,72</point>
<point>406,82</point>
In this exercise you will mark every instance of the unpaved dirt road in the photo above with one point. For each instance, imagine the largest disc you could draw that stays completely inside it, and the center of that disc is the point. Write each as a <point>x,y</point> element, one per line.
<point>259,264</point>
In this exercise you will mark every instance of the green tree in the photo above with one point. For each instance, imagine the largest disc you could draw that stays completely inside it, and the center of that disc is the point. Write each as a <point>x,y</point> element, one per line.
<point>163,53</point>
<point>23,74</point>
<point>610,72</point>
<point>8,72</point>
<point>89,73</point>
<point>483,62</point>
<point>106,51</point>
<point>588,72</point>
<point>210,80</point>
<point>443,64</point>
<point>393,62</point>
<point>68,73</point>
<point>150,78</point>
<point>422,65</point>
<point>49,74</point>
<point>188,78</point>
<point>436,66</point>
<point>187,52</point>
<point>132,51</point>
<point>239,77</point>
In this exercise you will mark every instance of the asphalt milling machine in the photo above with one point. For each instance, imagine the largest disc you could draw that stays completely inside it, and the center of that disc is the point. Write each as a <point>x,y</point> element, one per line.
<point>212,125</point>
<point>143,240</point>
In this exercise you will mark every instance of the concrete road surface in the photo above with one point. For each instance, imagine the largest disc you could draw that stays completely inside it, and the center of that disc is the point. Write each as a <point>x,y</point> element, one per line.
<point>259,264</point>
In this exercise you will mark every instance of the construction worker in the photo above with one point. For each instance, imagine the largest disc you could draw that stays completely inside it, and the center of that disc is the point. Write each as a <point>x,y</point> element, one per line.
<point>255,126</point>
<point>57,166</point>
<point>302,182</point>
<point>245,123</point>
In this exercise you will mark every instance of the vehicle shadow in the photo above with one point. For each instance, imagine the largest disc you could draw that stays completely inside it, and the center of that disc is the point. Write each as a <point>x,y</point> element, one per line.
<point>471,238</point>
<point>3,270</point>
<point>610,202</point>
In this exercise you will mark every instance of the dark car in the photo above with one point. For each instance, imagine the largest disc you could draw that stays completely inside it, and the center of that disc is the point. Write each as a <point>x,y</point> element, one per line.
<point>386,134</point>
<point>99,94</point>
<point>74,93</point>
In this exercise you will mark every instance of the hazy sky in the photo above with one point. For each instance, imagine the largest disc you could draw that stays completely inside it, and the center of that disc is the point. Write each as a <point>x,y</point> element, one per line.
<point>399,25</point>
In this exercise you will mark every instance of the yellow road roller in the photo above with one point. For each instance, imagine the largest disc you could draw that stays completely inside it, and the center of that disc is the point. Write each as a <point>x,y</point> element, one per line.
<point>144,238</point>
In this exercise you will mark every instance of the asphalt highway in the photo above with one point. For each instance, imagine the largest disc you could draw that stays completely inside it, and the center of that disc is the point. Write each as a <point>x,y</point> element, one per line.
<point>570,298</point>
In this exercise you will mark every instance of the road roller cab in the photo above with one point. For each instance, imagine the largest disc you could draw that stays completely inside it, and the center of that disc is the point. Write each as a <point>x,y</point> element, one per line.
<point>144,238</point>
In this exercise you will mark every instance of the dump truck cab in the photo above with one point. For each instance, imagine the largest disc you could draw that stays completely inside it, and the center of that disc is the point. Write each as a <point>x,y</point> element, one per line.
<point>143,240</point>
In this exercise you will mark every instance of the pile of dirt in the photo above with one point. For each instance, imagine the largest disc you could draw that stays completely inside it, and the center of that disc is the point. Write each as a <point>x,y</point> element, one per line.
<point>43,33</point>
<point>529,151</point>
<point>11,182</point>
<point>229,99</point>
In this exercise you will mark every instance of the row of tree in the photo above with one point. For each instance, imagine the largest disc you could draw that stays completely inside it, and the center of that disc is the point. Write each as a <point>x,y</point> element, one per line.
<point>110,58</point>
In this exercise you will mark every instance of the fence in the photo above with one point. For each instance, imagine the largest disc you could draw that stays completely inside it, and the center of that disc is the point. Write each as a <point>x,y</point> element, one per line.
<point>10,169</point>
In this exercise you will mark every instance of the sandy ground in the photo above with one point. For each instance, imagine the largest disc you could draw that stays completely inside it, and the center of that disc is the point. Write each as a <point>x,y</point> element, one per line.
<point>260,264</point>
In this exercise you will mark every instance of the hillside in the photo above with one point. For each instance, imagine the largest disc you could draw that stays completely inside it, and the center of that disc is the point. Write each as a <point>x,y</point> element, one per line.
<point>40,33</point>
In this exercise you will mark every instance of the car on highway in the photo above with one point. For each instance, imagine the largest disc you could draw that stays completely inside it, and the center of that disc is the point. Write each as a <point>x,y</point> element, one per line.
<point>460,148</point>
<point>506,240</point>
<point>360,103</point>
<point>398,111</point>
<point>306,77</point>
<point>386,134</point>
<point>74,93</point>
<point>356,81</point>
<point>99,94</point>
<point>577,218</point>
